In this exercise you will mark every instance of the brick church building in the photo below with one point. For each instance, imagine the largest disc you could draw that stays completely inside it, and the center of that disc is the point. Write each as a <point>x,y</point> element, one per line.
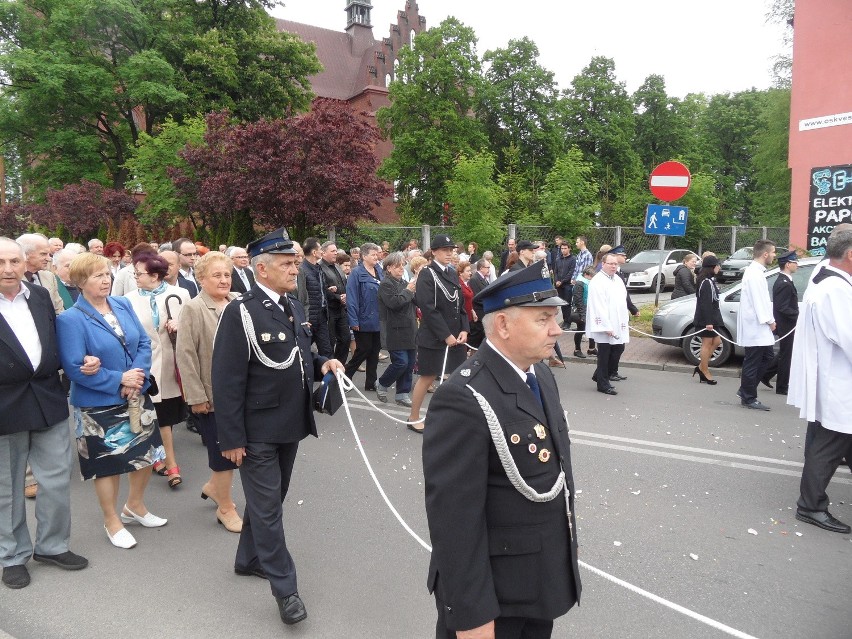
<point>357,67</point>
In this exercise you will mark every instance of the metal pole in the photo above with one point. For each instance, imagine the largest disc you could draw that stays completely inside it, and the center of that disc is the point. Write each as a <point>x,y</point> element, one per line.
<point>513,231</point>
<point>617,235</point>
<point>662,246</point>
<point>733,240</point>
<point>332,234</point>
<point>426,233</point>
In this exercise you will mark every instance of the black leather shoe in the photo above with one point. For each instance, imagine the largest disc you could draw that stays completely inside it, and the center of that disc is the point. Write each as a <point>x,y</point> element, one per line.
<point>608,391</point>
<point>780,391</point>
<point>755,405</point>
<point>579,354</point>
<point>257,571</point>
<point>16,576</point>
<point>66,560</point>
<point>820,518</point>
<point>615,377</point>
<point>292,609</point>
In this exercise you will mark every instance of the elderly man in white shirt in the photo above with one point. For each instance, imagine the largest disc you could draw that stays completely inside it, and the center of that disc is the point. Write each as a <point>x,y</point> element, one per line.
<point>755,324</point>
<point>819,380</point>
<point>607,321</point>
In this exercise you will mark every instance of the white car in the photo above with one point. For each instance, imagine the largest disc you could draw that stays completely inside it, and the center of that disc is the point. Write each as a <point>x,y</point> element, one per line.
<point>643,268</point>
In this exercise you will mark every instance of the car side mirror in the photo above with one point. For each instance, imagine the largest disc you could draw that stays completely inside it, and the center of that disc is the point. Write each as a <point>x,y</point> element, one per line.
<point>672,262</point>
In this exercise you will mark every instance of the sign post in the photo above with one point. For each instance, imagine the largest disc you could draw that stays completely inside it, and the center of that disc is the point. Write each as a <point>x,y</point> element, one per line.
<point>669,181</point>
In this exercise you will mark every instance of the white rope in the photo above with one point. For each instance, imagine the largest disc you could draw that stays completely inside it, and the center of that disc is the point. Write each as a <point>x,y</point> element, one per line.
<point>347,384</point>
<point>343,381</point>
<point>340,380</point>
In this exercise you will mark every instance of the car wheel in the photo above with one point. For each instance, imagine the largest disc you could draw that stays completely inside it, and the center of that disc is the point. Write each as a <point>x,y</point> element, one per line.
<point>692,349</point>
<point>654,283</point>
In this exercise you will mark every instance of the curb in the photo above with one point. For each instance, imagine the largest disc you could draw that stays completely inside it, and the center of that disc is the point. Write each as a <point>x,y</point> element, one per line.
<point>674,368</point>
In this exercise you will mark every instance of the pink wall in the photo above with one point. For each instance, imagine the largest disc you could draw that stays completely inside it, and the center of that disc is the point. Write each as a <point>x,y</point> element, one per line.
<point>822,86</point>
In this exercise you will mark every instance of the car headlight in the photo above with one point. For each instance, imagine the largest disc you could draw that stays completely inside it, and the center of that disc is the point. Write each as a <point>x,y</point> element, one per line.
<point>664,310</point>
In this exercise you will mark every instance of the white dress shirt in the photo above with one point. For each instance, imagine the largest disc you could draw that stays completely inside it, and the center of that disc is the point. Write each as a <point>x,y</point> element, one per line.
<point>17,314</point>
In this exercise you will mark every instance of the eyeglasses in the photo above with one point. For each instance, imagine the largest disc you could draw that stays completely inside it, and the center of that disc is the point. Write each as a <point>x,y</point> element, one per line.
<point>139,273</point>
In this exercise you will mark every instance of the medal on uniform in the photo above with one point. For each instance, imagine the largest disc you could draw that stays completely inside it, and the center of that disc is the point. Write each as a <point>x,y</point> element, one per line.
<point>282,336</point>
<point>533,448</point>
<point>544,455</point>
<point>539,431</point>
<point>465,372</point>
<point>265,337</point>
<point>515,438</point>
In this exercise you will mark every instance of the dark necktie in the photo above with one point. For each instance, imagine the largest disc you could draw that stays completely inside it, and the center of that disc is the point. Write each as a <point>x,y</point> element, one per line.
<point>30,276</point>
<point>285,304</point>
<point>532,382</point>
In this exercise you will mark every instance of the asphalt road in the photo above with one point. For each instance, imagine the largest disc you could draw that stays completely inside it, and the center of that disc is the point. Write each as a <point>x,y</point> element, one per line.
<point>671,476</point>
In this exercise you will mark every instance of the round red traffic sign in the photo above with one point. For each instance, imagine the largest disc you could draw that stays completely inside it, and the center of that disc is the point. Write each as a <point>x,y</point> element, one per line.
<point>670,181</point>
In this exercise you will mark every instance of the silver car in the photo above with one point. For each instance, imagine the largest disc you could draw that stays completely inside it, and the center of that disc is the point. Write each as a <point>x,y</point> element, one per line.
<point>674,319</point>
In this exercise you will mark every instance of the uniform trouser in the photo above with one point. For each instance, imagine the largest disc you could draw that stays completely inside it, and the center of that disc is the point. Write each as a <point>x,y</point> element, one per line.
<point>265,475</point>
<point>566,293</point>
<point>504,627</point>
<point>824,449</point>
<point>755,363</point>
<point>608,358</point>
<point>49,455</point>
<point>320,335</point>
<point>340,336</point>
<point>780,364</point>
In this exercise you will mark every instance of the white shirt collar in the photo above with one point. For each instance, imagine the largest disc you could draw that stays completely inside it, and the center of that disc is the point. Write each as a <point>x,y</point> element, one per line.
<point>521,374</point>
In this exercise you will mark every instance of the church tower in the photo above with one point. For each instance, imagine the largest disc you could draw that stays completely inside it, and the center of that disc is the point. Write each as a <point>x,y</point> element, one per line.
<point>358,14</point>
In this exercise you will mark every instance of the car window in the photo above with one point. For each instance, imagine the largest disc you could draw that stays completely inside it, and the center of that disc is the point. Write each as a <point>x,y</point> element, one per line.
<point>743,254</point>
<point>770,282</point>
<point>802,277</point>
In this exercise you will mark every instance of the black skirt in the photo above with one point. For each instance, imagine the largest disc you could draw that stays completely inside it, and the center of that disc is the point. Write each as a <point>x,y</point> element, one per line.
<point>430,361</point>
<point>170,411</point>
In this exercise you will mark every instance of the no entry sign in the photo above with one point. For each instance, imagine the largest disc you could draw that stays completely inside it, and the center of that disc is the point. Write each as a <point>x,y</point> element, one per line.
<point>670,181</point>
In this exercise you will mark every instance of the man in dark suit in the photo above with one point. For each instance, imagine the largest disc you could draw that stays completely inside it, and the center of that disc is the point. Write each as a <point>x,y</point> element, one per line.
<point>335,295</point>
<point>504,546</point>
<point>187,254</point>
<point>33,426</point>
<point>785,309</point>
<point>242,279</point>
<point>443,322</point>
<point>263,374</point>
<point>478,281</point>
<point>504,256</point>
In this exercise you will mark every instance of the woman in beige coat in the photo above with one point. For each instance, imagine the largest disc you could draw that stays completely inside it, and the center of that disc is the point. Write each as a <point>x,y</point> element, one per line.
<point>199,320</point>
<point>154,301</point>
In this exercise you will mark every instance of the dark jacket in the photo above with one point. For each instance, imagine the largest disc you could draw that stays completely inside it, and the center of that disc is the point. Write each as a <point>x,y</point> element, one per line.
<point>494,552</point>
<point>397,314</point>
<point>362,299</point>
<point>334,276</point>
<point>563,270</point>
<point>442,316</point>
<point>256,403</point>
<point>684,282</point>
<point>785,304</point>
<point>189,285</point>
<point>579,298</point>
<point>311,279</point>
<point>631,307</point>
<point>707,305</point>
<point>237,285</point>
<point>31,399</point>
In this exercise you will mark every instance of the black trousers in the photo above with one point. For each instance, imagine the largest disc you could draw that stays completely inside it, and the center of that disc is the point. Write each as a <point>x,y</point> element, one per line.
<point>755,363</point>
<point>824,449</point>
<point>504,627</point>
<point>780,364</point>
<point>608,358</point>
<point>320,335</point>
<point>265,475</point>
<point>566,293</point>
<point>340,336</point>
<point>367,347</point>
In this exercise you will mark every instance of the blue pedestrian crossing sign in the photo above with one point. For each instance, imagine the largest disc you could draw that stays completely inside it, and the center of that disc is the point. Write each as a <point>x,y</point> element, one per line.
<point>664,219</point>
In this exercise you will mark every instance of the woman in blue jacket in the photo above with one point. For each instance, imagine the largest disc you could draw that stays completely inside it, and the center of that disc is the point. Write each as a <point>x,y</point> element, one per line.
<point>362,307</point>
<point>116,425</point>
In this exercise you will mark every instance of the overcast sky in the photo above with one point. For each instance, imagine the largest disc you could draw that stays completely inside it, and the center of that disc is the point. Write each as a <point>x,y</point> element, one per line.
<point>710,46</point>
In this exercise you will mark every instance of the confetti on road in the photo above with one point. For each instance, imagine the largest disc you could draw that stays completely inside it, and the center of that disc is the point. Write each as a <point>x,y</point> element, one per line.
<point>752,531</point>
<point>616,543</point>
<point>693,556</point>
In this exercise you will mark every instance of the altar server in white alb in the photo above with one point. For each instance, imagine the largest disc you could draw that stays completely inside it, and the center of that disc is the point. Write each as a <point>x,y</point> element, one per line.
<point>607,322</point>
<point>819,380</point>
<point>755,324</point>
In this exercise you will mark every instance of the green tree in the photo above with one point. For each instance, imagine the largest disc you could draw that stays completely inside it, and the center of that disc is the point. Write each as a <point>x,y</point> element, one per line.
<point>660,126</point>
<point>149,169</point>
<point>772,176</point>
<point>438,85</point>
<point>520,105</point>
<point>781,11</point>
<point>569,199</point>
<point>703,204</point>
<point>599,120</point>
<point>515,182</point>
<point>84,80</point>
<point>477,201</point>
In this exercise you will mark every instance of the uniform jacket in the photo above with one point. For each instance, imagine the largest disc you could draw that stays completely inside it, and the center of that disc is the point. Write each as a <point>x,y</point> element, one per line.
<point>397,314</point>
<point>162,352</point>
<point>237,282</point>
<point>785,304</point>
<point>441,317</point>
<point>31,399</point>
<point>822,353</point>
<point>755,314</point>
<point>198,322</point>
<point>707,309</point>
<point>362,299</point>
<point>255,403</point>
<point>494,552</point>
<point>606,310</point>
<point>334,276</point>
<point>82,331</point>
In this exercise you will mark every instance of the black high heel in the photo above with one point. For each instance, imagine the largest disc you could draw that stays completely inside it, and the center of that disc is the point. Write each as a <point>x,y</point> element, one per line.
<point>703,379</point>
